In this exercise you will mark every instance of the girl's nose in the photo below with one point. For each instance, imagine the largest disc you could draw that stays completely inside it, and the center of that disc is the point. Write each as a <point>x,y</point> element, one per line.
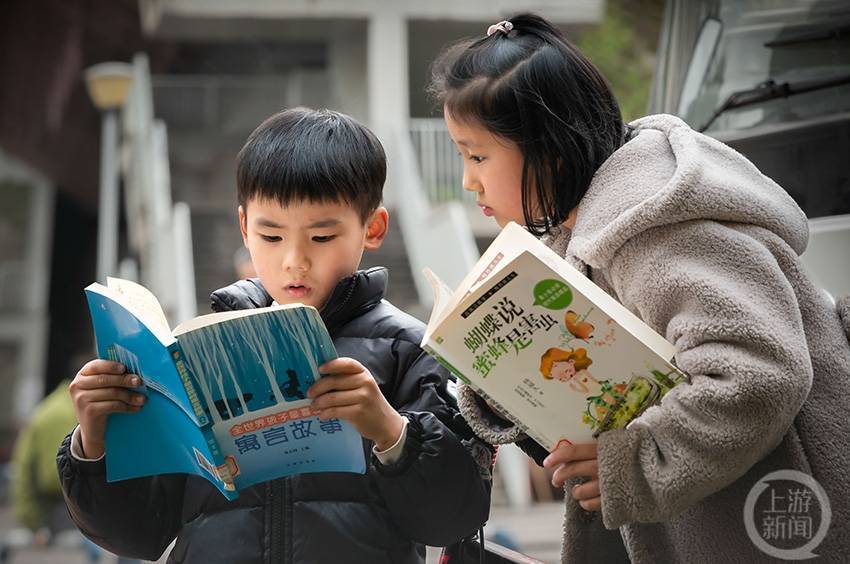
<point>469,182</point>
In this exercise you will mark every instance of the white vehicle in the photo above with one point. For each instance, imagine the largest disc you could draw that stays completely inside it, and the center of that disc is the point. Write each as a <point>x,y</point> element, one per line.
<point>771,78</point>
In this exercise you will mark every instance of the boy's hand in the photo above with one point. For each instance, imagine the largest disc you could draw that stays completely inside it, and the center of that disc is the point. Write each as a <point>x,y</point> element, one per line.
<point>573,461</point>
<point>350,392</point>
<point>98,389</point>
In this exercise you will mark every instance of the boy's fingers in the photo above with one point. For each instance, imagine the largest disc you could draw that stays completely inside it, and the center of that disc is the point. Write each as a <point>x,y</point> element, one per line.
<point>338,399</point>
<point>345,412</point>
<point>100,366</point>
<point>341,365</point>
<point>107,407</point>
<point>94,381</point>
<point>97,395</point>
<point>334,382</point>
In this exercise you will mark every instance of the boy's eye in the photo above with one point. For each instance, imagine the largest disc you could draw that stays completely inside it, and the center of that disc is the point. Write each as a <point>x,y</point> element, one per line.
<point>323,238</point>
<point>270,238</point>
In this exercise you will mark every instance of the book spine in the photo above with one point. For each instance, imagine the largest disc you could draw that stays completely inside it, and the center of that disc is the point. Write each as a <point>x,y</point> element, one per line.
<point>219,466</point>
<point>188,384</point>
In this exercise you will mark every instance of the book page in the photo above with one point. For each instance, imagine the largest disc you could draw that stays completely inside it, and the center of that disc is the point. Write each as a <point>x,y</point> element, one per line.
<point>505,247</point>
<point>140,301</point>
<point>145,317</point>
<point>213,318</point>
<point>442,297</point>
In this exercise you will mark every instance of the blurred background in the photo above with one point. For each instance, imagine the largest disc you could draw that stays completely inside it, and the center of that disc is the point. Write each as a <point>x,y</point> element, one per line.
<point>120,122</point>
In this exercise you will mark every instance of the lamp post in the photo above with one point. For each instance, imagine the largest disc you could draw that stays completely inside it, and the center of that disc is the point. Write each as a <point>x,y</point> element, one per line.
<point>108,85</point>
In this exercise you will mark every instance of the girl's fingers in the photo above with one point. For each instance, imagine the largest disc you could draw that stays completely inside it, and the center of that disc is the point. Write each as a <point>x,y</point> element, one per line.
<point>564,453</point>
<point>583,468</point>
<point>587,491</point>
<point>594,504</point>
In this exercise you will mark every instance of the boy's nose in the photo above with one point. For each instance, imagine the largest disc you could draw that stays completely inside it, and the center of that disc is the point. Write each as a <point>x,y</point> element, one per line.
<point>296,259</point>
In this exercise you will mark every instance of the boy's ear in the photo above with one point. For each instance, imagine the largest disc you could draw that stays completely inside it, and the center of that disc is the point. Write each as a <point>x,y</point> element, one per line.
<point>243,224</point>
<point>376,228</point>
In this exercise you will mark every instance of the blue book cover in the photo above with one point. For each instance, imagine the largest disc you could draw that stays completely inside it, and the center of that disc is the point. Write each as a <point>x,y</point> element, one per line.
<point>226,392</point>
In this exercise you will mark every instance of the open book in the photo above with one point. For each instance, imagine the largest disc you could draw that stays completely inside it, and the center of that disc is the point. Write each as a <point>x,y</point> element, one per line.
<point>545,346</point>
<point>226,392</point>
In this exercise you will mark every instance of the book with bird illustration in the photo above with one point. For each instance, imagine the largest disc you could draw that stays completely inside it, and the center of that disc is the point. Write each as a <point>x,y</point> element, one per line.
<point>545,346</point>
<point>226,392</point>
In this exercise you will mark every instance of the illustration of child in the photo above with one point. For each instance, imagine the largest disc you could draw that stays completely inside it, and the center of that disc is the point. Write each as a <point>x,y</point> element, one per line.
<point>567,365</point>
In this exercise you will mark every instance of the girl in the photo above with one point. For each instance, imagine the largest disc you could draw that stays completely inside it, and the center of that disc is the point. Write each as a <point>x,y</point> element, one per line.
<point>687,234</point>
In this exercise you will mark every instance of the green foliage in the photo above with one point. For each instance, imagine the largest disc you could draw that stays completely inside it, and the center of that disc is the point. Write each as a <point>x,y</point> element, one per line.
<point>625,56</point>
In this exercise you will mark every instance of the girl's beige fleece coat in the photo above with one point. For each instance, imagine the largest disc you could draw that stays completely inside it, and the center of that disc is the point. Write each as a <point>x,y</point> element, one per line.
<point>692,238</point>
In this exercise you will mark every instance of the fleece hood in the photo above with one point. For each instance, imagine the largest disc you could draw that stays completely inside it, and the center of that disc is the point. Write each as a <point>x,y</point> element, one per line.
<point>668,173</point>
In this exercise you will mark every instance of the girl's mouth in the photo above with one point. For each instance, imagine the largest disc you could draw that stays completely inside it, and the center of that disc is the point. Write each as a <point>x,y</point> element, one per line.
<point>486,210</point>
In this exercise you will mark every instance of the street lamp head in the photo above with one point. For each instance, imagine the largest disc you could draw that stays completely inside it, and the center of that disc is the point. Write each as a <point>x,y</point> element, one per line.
<point>108,84</point>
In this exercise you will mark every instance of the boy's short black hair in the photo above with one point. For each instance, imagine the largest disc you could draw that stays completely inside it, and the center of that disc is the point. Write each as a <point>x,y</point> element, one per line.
<point>306,155</point>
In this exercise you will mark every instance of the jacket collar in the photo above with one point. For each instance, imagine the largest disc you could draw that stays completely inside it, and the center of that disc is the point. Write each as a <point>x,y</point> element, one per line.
<point>353,296</point>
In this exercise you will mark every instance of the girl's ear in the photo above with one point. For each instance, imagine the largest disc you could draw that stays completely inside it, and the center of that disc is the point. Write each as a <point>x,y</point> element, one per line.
<point>243,224</point>
<point>376,229</point>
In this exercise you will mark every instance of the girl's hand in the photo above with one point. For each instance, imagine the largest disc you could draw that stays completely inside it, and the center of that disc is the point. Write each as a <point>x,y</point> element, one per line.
<point>100,388</point>
<point>350,392</point>
<point>575,461</point>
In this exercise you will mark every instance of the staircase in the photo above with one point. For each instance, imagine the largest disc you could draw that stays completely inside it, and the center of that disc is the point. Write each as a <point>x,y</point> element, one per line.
<point>401,290</point>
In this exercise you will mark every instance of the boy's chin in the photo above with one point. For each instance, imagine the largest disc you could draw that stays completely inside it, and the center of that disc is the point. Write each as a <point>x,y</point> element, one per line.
<point>306,300</point>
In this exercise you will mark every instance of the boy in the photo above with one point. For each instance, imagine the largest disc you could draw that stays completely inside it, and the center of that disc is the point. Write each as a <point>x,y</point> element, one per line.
<point>309,185</point>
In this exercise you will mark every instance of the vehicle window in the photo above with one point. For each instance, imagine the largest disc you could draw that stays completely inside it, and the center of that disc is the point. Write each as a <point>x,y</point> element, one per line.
<point>780,40</point>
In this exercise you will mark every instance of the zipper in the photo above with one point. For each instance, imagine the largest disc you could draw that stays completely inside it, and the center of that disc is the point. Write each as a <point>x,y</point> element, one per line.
<point>287,510</point>
<point>276,499</point>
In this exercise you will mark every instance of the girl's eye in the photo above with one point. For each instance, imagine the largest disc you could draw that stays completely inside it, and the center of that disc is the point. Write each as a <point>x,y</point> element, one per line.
<point>474,158</point>
<point>324,238</point>
<point>270,238</point>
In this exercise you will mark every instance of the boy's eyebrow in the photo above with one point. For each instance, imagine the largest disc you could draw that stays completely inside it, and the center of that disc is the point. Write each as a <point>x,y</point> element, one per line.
<point>263,222</point>
<point>330,222</point>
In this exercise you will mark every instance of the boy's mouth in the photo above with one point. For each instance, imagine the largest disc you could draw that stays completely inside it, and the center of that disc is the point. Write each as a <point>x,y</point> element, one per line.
<point>297,291</point>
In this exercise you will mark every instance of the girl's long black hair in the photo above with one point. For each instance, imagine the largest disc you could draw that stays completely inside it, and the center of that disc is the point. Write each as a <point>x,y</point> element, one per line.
<point>536,89</point>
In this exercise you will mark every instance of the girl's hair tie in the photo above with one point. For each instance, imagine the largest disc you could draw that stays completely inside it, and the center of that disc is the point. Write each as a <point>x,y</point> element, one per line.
<point>504,26</point>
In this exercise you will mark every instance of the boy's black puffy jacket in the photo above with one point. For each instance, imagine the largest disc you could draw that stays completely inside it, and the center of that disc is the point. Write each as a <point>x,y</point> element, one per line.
<point>434,495</point>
